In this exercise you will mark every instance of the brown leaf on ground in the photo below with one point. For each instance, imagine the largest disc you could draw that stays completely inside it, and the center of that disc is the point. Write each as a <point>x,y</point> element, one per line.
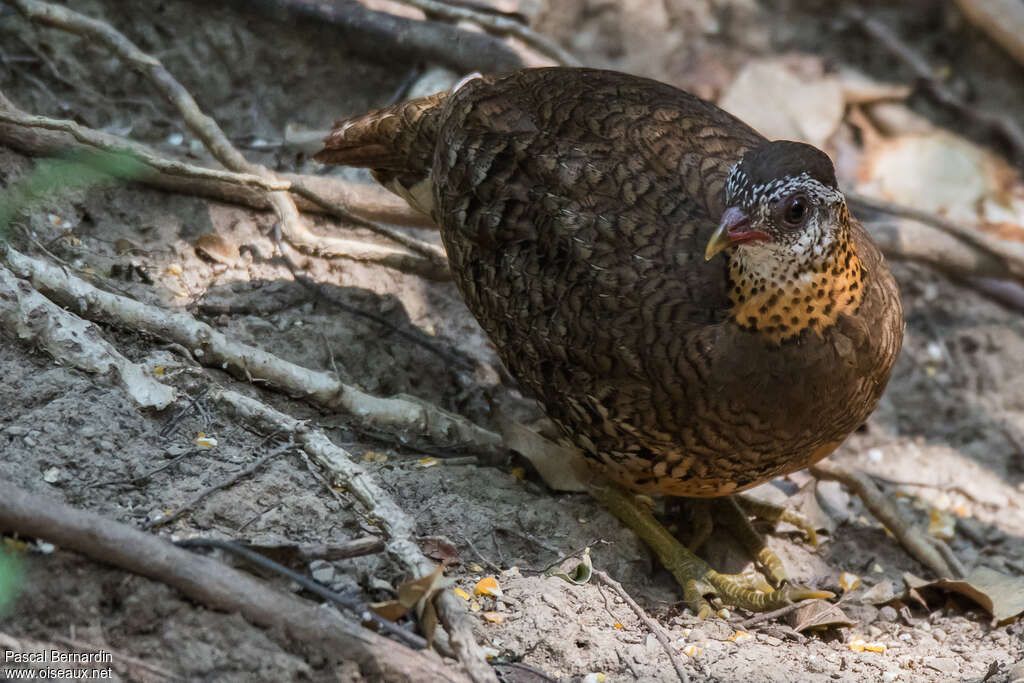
<point>1001,595</point>
<point>818,615</point>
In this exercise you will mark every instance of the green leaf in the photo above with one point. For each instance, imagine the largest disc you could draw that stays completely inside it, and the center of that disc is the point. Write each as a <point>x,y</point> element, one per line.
<point>57,176</point>
<point>10,578</point>
<point>581,572</point>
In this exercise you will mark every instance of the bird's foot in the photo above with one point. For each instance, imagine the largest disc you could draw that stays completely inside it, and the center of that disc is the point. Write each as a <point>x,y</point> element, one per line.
<point>704,589</point>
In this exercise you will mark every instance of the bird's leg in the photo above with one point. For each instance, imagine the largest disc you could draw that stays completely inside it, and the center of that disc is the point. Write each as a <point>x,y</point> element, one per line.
<point>702,524</point>
<point>696,577</point>
<point>773,514</point>
<point>729,514</point>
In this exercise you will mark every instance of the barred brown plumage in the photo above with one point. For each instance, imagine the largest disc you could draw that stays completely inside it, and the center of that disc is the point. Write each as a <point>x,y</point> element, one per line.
<point>582,212</point>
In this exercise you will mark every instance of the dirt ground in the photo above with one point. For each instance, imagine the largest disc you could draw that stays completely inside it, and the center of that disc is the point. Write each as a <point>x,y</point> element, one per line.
<point>952,420</point>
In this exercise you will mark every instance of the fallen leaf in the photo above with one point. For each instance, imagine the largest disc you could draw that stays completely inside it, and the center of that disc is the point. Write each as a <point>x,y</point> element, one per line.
<point>439,549</point>
<point>215,248</point>
<point>1001,595</point>
<point>392,610</point>
<point>783,101</point>
<point>554,463</point>
<point>412,593</point>
<point>879,594</point>
<point>818,615</point>
<point>581,573</point>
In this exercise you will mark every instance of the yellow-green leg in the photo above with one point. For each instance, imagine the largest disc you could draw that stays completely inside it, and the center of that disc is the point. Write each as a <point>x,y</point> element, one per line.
<point>696,577</point>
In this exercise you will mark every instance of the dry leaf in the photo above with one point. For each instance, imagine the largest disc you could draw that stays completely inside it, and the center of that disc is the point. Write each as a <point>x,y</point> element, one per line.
<point>818,615</point>
<point>879,594</point>
<point>216,248</point>
<point>580,573</point>
<point>413,593</point>
<point>943,173</point>
<point>783,103</point>
<point>1001,595</point>
<point>439,549</point>
<point>859,88</point>
<point>392,610</point>
<point>552,462</point>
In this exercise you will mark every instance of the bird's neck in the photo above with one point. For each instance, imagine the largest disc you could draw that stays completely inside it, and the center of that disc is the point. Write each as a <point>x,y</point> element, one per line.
<point>782,301</point>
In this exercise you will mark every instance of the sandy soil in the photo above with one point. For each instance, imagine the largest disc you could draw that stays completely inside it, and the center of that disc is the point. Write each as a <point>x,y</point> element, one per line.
<point>953,417</point>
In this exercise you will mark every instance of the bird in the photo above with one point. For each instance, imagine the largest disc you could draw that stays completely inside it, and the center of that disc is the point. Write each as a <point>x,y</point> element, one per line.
<point>692,304</point>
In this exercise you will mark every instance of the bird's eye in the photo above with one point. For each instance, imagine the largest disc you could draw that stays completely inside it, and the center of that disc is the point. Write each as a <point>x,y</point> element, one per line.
<point>794,210</point>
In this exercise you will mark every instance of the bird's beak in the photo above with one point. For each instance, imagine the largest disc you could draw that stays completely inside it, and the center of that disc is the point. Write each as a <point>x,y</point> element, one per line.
<point>734,228</point>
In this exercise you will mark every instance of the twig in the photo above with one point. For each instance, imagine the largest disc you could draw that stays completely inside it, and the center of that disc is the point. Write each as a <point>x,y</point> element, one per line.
<point>408,417</point>
<point>380,509</point>
<point>766,616</point>
<point>356,547</point>
<point>109,143</point>
<point>264,562</point>
<point>342,200</point>
<point>916,543</point>
<point>653,626</point>
<point>205,127</point>
<point>498,25</point>
<point>173,423</point>
<point>428,251</point>
<point>366,201</point>
<point>1004,126</point>
<point>216,586</point>
<point>382,34</point>
<point>27,314</point>
<point>227,483</point>
<point>1009,254</point>
<point>1001,20</point>
<point>321,290</point>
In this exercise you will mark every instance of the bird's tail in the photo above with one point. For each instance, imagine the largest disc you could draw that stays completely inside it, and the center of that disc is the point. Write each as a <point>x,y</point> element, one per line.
<point>396,143</point>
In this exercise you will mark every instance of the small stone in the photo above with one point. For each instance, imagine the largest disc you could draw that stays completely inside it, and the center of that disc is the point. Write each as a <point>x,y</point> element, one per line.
<point>16,430</point>
<point>322,572</point>
<point>30,442</point>
<point>875,454</point>
<point>944,665</point>
<point>107,445</point>
<point>816,664</point>
<point>938,634</point>
<point>52,475</point>
<point>887,614</point>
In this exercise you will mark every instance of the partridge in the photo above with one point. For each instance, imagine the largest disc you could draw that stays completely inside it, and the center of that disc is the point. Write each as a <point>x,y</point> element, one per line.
<point>692,304</point>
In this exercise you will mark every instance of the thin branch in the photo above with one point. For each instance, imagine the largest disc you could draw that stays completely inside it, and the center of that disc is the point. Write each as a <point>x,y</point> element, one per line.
<point>365,201</point>
<point>775,613</point>
<point>409,418</point>
<point>205,127</point>
<point>653,626</point>
<point>1004,126</point>
<point>917,544</point>
<point>1010,254</point>
<point>264,562</point>
<point>227,483</point>
<point>399,529</point>
<point>28,315</point>
<point>499,25</point>
<point>216,586</point>
<point>384,35</point>
<point>89,137</point>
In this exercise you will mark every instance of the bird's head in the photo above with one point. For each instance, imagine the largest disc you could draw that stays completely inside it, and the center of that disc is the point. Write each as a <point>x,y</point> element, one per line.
<point>792,263</point>
<point>782,205</point>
